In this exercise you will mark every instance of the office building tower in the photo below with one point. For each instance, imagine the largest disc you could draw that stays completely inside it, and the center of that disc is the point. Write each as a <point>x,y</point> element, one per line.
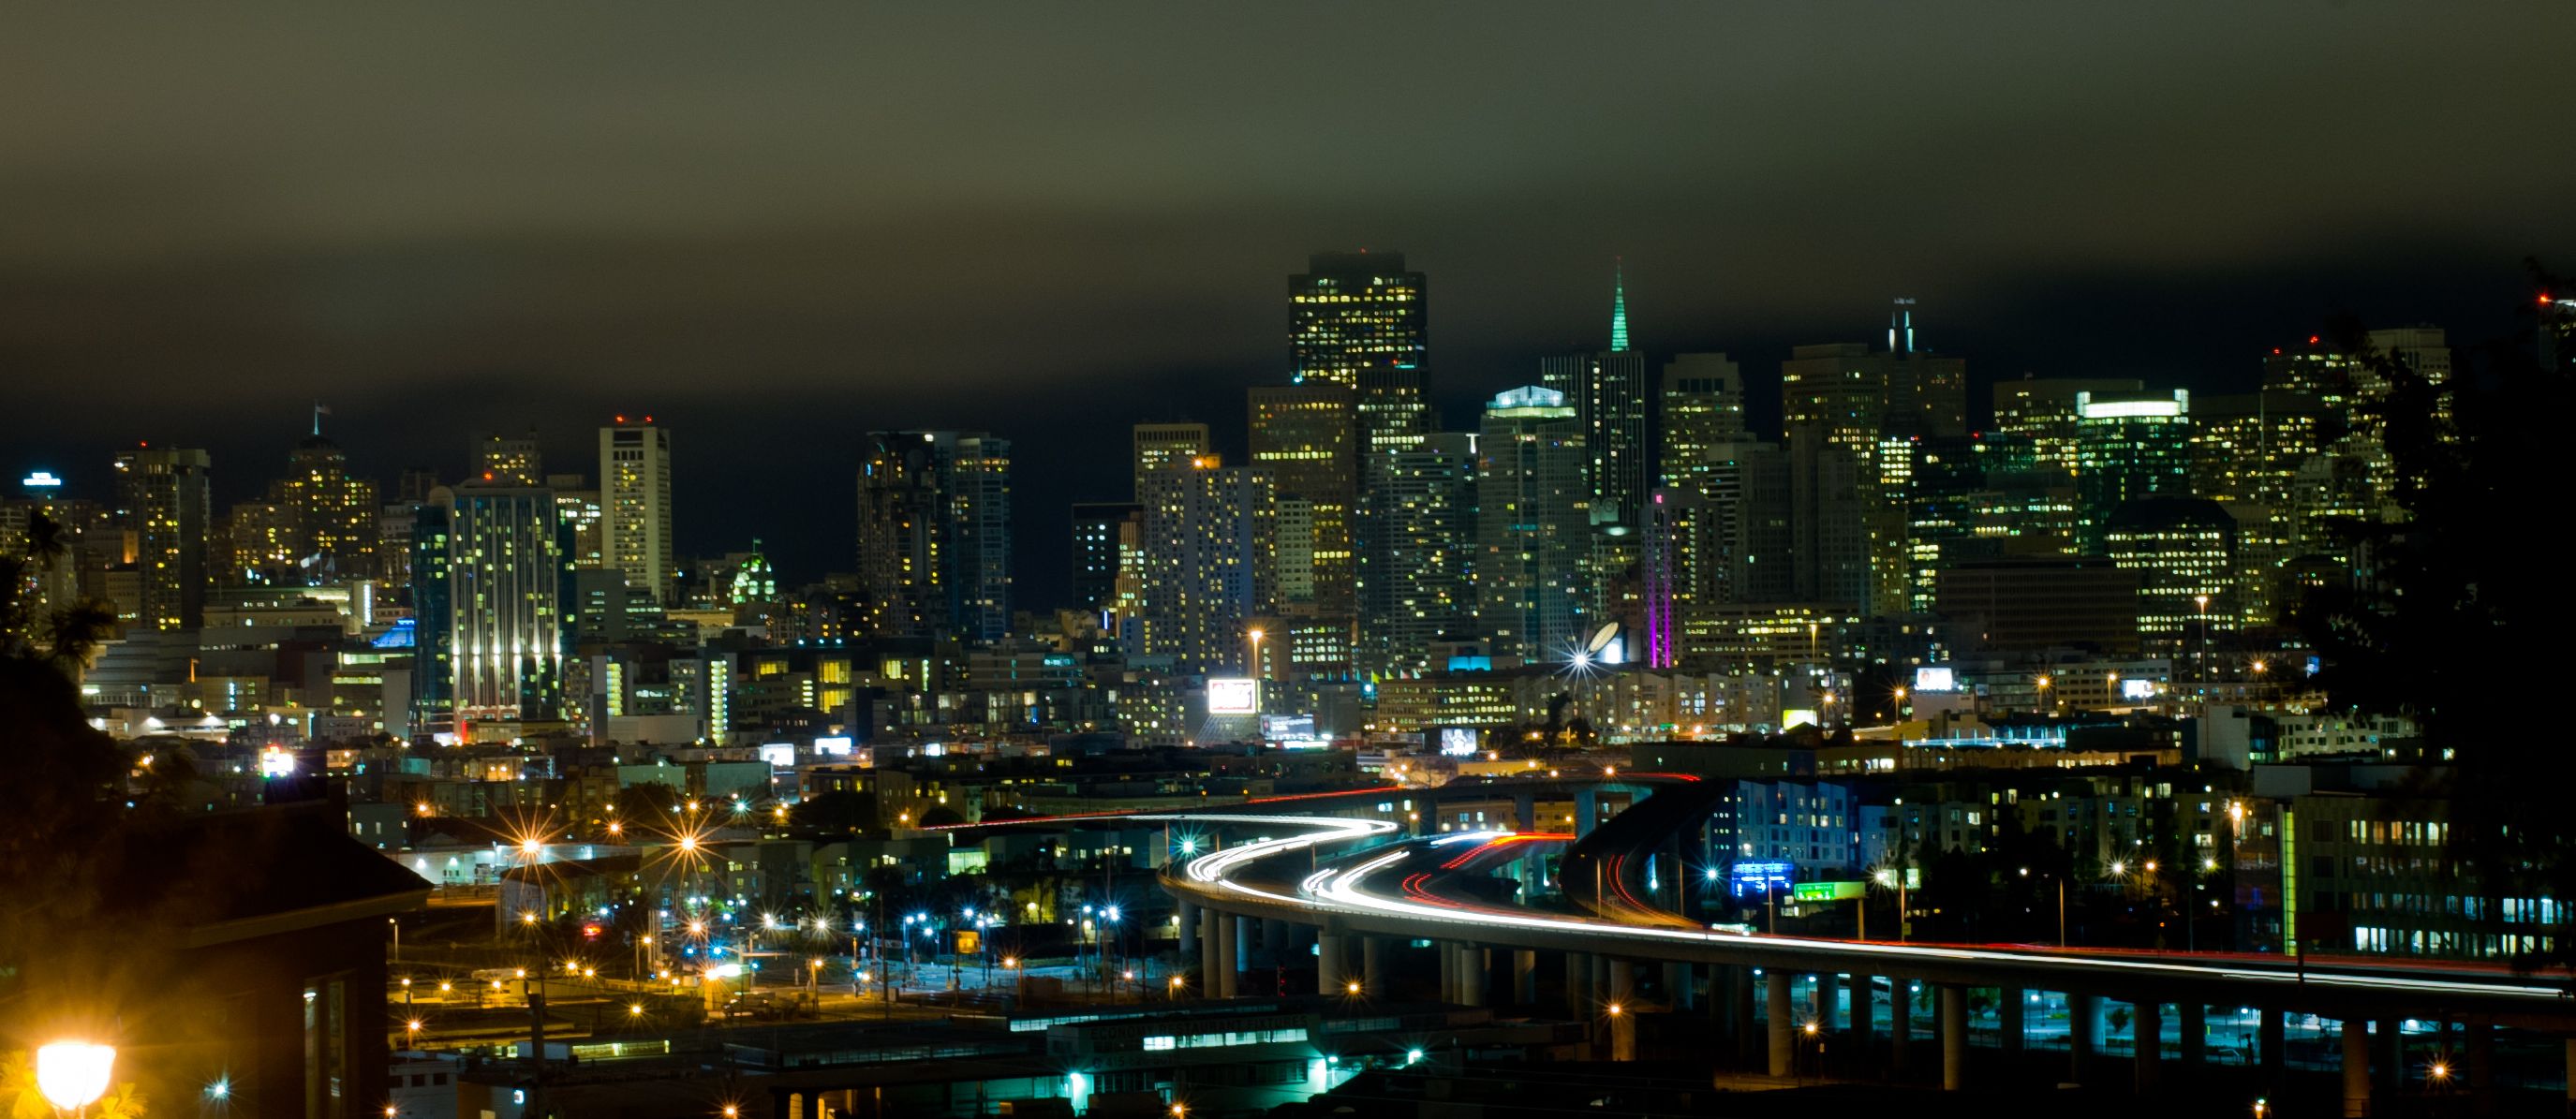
<point>1359,320</point>
<point>1533,525</point>
<point>1305,437</point>
<point>164,508</point>
<point>507,620</point>
<point>431,572</point>
<point>1943,479</point>
<point>333,514</point>
<point>505,461</point>
<point>935,536</point>
<point>578,505</point>
<point>1740,549</point>
<point>2129,446</point>
<point>1416,584</point>
<point>1098,527</point>
<point>2040,413</point>
<point>1209,563</point>
<point>2183,551</point>
<point>1157,445</point>
<point>1703,407</point>
<point>1608,393</point>
<point>635,504</point>
<point>2032,605</point>
<point>1846,532</point>
<point>258,544</point>
<point>2247,451</point>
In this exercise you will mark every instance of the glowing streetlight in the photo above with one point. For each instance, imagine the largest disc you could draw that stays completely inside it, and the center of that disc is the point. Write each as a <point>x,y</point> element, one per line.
<point>73,1074</point>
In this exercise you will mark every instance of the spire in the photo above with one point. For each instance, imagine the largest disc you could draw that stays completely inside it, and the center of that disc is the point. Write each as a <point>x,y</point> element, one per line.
<point>1618,308</point>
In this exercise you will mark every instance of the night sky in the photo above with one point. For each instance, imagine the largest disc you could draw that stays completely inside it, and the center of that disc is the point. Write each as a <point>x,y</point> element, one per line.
<point>1055,220</point>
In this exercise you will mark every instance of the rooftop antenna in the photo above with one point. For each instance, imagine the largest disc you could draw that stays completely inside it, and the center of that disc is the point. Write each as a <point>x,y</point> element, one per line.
<point>319,410</point>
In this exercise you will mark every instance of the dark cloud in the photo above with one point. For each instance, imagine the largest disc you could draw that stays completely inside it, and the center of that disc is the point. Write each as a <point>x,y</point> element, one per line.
<point>1049,220</point>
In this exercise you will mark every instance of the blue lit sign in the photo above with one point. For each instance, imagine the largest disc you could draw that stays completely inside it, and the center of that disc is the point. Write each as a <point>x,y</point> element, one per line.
<point>1759,878</point>
<point>41,480</point>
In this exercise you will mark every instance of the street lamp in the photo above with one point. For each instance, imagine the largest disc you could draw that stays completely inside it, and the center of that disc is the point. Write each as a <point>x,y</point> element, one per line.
<point>72,1075</point>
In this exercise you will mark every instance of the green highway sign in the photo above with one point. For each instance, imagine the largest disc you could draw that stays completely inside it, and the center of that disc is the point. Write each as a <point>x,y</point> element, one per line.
<point>1827,891</point>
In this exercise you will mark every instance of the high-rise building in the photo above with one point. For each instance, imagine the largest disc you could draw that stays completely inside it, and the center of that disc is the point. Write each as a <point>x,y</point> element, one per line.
<point>505,461</point>
<point>1703,407</point>
<point>1416,585</point>
<point>1846,531</point>
<point>1157,445</point>
<point>935,535</point>
<point>1846,410</point>
<point>259,545</point>
<point>1609,396</point>
<point>506,608</point>
<point>1305,438</point>
<point>431,570</point>
<point>1359,320</point>
<point>635,504</point>
<point>1533,524</point>
<point>578,505</point>
<point>2247,452</point>
<point>1209,563</point>
<point>164,506</point>
<point>1098,527</point>
<point>334,514</point>
<point>2183,550</point>
<point>2041,414</point>
<point>2129,446</point>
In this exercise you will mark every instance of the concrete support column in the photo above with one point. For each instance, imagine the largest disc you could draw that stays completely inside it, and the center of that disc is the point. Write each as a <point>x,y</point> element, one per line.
<point>1678,984</point>
<point>1473,975</point>
<point>2391,1058</point>
<point>1328,965</point>
<point>1525,977</point>
<point>1954,1038</point>
<point>1229,955</point>
<point>1189,922</point>
<point>1900,1022</point>
<point>1373,966</point>
<point>1274,942</point>
<point>1775,1005</point>
<point>1739,1008</point>
<point>2356,1068</point>
<point>2195,1035</point>
<point>2147,1035</point>
<point>2083,1033</point>
<point>2570,1047</point>
<point>2012,1020</point>
<point>1623,996</point>
<point>1578,986</point>
<point>1211,942</point>
<point>1828,992</point>
<point>1448,956</point>
<point>1601,968</point>
<point>2482,1072</point>
<point>2271,1038</point>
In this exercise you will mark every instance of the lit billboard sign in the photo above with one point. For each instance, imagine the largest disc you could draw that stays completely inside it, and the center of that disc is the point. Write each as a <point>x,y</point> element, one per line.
<point>1233,695</point>
<point>779,755</point>
<point>2137,689</point>
<point>1797,717</point>
<point>1935,678</point>
<point>1458,742</point>
<point>839,747</point>
<point>41,480</point>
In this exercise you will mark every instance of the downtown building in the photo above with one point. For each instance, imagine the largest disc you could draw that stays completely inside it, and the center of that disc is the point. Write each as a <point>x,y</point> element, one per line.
<point>163,505</point>
<point>1210,566</point>
<point>1533,525</point>
<point>1416,586</point>
<point>1849,412</point>
<point>491,591</point>
<point>1360,320</point>
<point>635,505</point>
<point>935,535</point>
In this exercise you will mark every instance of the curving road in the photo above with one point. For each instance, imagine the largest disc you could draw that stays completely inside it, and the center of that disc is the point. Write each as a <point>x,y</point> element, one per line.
<point>1407,889</point>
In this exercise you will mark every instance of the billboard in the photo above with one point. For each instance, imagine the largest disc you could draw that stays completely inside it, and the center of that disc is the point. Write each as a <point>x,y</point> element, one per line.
<point>1233,695</point>
<point>1935,678</point>
<point>1458,742</point>
<point>779,755</point>
<point>1797,717</point>
<point>2137,689</point>
<point>838,747</point>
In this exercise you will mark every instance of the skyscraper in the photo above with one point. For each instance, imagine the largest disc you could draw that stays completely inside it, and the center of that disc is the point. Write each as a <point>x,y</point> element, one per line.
<point>507,580</point>
<point>1209,564</point>
<point>2041,414</point>
<point>2246,454</point>
<point>510,462</point>
<point>934,535</point>
<point>1703,407</point>
<point>1305,438</point>
<point>1098,526</point>
<point>2183,550</point>
<point>1157,444</point>
<point>1359,320</point>
<point>635,504</point>
<point>1533,524</point>
<point>1845,409</point>
<point>1609,396</point>
<point>1416,585</point>
<point>163,504</point>
<point>2128,446</point>
<point>333,512</point>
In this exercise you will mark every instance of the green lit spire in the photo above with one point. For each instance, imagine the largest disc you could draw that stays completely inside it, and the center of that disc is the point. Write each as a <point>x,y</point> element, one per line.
<point>1618,308</point>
